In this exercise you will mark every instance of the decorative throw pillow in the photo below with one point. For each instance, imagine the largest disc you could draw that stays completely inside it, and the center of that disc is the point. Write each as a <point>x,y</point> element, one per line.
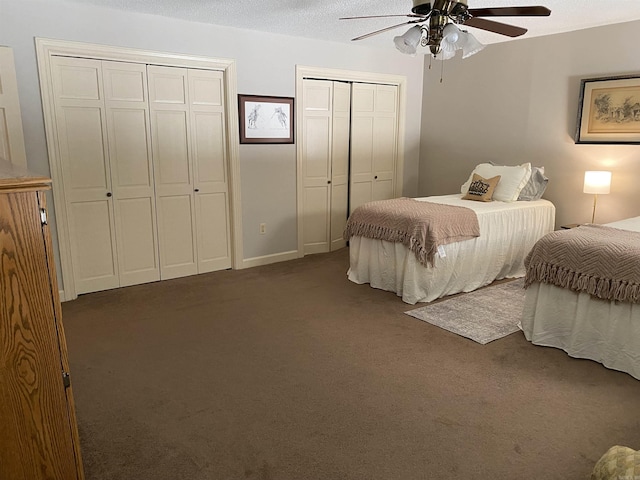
<point>535,187</point>
<point>512,181</point>
<point>618,462</point>
<point>481,189</point>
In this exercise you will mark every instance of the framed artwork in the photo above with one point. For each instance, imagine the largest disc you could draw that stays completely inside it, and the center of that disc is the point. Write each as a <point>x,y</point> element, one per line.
<point>265,119</point>
<point>609,110</point>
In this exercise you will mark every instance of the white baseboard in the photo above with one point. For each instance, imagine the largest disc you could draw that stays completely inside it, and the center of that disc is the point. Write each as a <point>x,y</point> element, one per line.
<point>269,259</point>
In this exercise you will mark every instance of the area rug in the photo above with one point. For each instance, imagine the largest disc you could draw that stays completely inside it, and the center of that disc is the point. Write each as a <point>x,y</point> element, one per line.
<point>483,315</point>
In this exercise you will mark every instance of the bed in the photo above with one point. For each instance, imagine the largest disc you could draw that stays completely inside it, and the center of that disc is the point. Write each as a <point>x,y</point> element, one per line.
<point>508,230</point>
<point>584,326</point>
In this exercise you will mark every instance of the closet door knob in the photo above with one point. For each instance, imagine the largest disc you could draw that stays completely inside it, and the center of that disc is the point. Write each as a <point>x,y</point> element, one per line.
<point>328,181</point>
<point>109,194</point>
<point>196,189</point>
<point>376,177</point>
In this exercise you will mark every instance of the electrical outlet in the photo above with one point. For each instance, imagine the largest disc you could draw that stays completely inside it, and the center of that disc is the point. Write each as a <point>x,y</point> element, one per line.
<point>263,228</point>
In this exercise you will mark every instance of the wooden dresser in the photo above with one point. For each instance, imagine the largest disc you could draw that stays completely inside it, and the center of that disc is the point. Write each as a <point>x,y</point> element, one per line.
<point>38,429</point>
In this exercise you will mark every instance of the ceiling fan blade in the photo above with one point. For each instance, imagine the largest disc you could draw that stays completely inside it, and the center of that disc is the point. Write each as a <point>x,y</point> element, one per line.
<point>409,15</point>
<point>496,27</point>
<point>532,11</point>
<point>370,34</point>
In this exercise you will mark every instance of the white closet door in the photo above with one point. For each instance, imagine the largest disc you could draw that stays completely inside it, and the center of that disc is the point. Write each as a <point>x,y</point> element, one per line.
<point>340,162</point>
<point>374,131</point>
<point>170,126</point>
<point>81,129</point>
<point>11,135</point>
<point>211,182</point>
<point>125,87</point>
<point>316,164</point>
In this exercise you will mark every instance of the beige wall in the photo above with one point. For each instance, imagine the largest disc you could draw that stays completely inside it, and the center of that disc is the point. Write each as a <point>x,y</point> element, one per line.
<point>517,102</point>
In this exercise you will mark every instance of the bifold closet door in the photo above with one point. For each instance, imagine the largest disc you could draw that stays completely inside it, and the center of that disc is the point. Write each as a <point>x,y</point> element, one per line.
<point>81,128</point>
<point>374,133</point>
<point>104,138</point>
<point>208,141</point>
<point>341,126</point>
<point>131,168</point>
<point>169,104</point>
<point>190,158</point>
<point>325,164</point>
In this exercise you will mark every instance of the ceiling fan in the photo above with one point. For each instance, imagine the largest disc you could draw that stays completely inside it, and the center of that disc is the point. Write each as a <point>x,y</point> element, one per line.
<point>441,34</point>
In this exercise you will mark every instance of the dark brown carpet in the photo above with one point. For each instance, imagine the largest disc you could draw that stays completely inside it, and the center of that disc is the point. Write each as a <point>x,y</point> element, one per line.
<point>291,372</point>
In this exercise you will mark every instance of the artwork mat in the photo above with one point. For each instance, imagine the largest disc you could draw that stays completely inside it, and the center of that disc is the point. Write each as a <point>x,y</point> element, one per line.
<point>592,128</point>
<point>271,122</point>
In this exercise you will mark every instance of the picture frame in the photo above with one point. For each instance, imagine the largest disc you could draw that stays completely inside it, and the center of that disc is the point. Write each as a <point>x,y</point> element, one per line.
<point>265,119</point>
<point>609,110</point>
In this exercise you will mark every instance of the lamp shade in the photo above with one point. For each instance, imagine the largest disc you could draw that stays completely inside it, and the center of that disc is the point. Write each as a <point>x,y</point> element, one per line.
<point>471,45</point>
<point>598,182</point>
<point>408,43</point>
<point>452,38</point>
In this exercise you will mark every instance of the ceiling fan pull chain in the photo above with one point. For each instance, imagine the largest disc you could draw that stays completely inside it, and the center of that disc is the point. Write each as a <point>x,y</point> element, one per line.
<point>441,69</point>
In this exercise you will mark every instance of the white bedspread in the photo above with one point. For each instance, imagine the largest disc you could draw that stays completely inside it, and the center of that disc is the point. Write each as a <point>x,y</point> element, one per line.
<point>507,233</point>
<point>584,326</point>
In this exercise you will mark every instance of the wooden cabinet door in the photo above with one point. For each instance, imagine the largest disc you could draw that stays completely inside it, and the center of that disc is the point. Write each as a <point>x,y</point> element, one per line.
<point>35,425</point>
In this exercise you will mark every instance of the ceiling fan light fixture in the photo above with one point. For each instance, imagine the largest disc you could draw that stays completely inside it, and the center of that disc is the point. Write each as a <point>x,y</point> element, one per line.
<point>409,41</point>
<point>471,45</point>
<point>444,54</point>
<point>452,38</point>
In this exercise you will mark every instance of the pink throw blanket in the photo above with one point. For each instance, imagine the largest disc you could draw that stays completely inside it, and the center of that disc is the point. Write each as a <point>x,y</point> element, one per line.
<point>420,226</point>
<point>601,261</point>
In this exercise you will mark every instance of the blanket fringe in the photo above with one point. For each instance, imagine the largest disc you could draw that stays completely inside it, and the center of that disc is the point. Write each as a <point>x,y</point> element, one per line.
<point>603,288</point>
<point>377,232</point>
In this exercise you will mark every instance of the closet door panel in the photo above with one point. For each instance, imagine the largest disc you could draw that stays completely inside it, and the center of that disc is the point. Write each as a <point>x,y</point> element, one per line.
<point>131,171</point>
<point>316,220</point>
<point>176,239</point>
<point>209,150</point>
<point>317,144</point>
<point>385,134</point>
<point>339,214</point>
<point>208,137</point>
<point>137,241</point>
<point>83,145</point>
<point>94,245</point>
<point>170,127</point>
<point>361,160</point>
<point>374,144</point>
<point>171,151</point>
<point>340,163</point>
<point>214,249</point>
<point>82,141</point>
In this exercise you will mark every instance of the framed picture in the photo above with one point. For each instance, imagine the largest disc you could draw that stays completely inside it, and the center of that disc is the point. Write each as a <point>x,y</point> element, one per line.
<point>609,110</point>
<point>265,119</point>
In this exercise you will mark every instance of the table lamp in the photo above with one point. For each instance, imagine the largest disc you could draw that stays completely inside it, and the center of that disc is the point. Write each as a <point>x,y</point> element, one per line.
<point>596,182</point>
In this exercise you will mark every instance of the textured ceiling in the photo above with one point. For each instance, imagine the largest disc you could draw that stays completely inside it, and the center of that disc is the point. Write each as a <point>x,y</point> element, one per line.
<point>319,18</point>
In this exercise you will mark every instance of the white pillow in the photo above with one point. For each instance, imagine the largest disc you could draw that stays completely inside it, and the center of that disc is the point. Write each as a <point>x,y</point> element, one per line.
<point>512,179</point>
<point>535,187</point>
